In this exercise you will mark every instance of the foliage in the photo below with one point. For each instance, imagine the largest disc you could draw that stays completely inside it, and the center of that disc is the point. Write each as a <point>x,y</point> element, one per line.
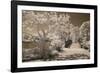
<point>85,35</point>
<point>51,32</point>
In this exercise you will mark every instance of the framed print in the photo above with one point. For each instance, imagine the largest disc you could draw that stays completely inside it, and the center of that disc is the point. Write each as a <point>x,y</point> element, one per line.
<point>52,36</point>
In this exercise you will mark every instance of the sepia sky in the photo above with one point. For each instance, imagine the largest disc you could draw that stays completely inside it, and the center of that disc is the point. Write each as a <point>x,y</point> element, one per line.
<point>78,18</point>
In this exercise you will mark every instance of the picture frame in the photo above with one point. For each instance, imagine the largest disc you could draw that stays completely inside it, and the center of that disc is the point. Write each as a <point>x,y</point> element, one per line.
<point>17,12</point>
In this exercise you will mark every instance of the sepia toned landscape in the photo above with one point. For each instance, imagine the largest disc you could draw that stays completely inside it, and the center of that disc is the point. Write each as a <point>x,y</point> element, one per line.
<point>50,36</point>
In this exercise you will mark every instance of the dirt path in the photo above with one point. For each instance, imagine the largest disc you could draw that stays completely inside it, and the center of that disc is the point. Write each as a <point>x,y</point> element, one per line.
<point>75,45</point>
<point>74,52</point>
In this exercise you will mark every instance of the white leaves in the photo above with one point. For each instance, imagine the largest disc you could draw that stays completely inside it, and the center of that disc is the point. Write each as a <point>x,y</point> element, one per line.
<point>85,31</point>
<point>56,26</point>
<point>85,35</point>
<point>36,21</point>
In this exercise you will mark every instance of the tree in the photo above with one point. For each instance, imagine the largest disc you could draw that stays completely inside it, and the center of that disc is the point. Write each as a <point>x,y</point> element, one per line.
<point>85,35</point>
<point>51,28</point>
